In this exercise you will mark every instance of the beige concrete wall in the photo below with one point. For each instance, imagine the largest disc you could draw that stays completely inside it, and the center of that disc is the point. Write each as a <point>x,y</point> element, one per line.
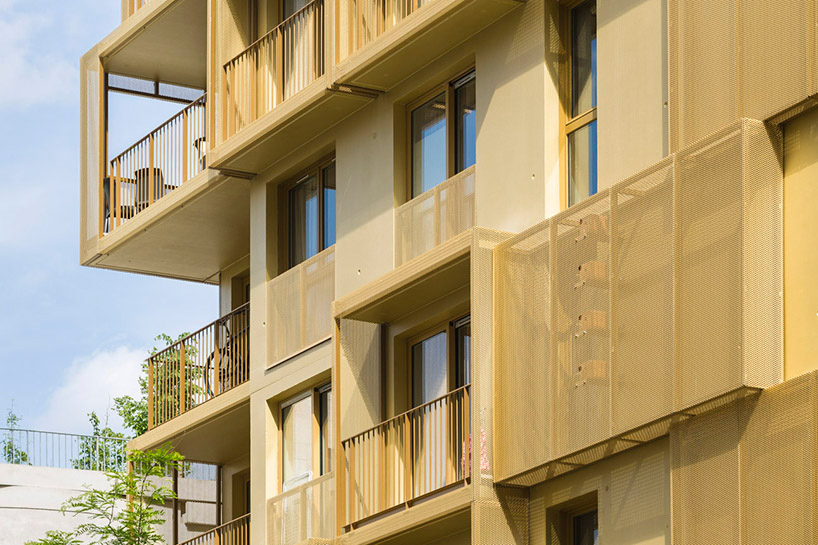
<point>632,86</point>
<point>800,244</point>
<point>633,492</point>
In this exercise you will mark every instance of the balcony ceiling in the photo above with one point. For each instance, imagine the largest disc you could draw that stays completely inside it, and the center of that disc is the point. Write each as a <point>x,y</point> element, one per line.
<point>193,233</point>
<point>171,47</point>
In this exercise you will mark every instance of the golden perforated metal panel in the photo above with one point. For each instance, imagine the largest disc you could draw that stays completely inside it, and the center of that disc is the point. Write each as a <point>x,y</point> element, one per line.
<point>91,154</point>
<point>737,58</point>
<point>299,306</point>
<point>666,301</point>
<point>745,473</point>
<point>434,216</point>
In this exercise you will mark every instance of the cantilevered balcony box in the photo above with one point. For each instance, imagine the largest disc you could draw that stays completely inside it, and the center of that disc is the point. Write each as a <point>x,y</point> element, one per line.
<point>651,302</point>
<point>157,208</point>
<point>380,43</point>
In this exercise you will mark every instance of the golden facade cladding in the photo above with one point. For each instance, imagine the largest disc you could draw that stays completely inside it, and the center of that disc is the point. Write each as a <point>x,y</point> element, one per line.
<point>657,295</point>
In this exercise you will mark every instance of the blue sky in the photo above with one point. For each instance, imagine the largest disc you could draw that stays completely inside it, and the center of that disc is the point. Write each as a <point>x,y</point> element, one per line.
<point>71,337</point>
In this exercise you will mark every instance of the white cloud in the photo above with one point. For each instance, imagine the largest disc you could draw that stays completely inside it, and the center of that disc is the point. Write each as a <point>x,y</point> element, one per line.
<point>91,384</point>
<point>34,72</point>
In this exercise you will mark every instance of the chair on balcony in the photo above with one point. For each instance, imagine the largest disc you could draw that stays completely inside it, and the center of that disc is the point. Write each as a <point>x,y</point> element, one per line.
<point>142,177</point>
<point>200,145</point>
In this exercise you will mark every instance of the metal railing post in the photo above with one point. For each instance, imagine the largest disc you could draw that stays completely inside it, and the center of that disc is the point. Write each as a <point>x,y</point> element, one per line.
<point>182,378</point>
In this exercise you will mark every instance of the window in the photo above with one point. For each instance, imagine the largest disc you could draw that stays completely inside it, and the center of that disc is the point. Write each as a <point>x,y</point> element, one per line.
<point>306,437</point>
<point>436,151</point>
<point>581,125</point>
<point>585,528</point>
<point>312,213</point>
<point>438,366</point>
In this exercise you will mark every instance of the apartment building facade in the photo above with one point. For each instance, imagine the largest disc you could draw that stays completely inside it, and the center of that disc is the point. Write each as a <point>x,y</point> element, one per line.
<point>490,271</point>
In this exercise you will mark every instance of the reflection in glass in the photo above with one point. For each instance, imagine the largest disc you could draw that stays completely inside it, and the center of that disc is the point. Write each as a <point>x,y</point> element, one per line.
<point>429,369</point>
<point>325,416</point>
<point>462,333</point>
<point>292,6</point>
<point>466,123</point>
<point>296,443</point>
<point>583,57</point>
<point>429,145</point>
<point>586,529</point>
<point>304,226</point>
<point>329,206</point>
<point>582,163</point>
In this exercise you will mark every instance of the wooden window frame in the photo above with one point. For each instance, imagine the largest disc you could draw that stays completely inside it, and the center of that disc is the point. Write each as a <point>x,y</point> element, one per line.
<point>314,394</point>
<point>447,88</point>
<point>568,122</point>
<point>286,213</point>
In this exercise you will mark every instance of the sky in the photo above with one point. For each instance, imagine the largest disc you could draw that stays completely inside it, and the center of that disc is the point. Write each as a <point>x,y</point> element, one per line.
<point>71,338</point>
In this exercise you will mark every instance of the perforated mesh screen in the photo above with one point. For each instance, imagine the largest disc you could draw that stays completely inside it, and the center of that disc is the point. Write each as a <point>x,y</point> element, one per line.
<point>690,246</point>
<point>130,84</point>
<point>299,306</point>
<point>745,473</point>
<point>737,58</point>
<point>434,216</point>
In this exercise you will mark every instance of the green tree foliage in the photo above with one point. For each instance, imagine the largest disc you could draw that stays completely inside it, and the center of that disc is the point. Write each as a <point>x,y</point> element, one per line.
<point>124,513</point>
<point>12,451</point>
<point>103,450</point>
<point>134,412</point>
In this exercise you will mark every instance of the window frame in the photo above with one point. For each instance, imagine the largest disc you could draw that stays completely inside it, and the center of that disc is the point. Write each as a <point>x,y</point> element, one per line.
<point>448,327</point>
<point>560,517</point>
<point>447,88</point>
<point>286,209</point>
<point>569,123</point>
<point>314,394</point>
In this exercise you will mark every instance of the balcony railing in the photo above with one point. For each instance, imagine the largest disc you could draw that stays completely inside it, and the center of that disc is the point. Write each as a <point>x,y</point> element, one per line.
<point>199,367</point>
<point>303,513</point>
<point>62,450</point>
<point>299,303</point>
<point>273,69</point>
<point>132,6</point>
<point>434,216</point>
<point>368,19</point>
<point>153,167</point>
<point>235,532</point>
<point>412,455</point>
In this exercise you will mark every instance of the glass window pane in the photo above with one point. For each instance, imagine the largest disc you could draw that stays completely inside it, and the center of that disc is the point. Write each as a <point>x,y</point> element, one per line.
<point>329,206</point>
<point>429,377</point>
<point>429,145</point>
<point>583,57</point>
<point>586,529</point>
<point>292,6</point>
<point>304,221</point>
<point>326,432</point>
<point>296,443</point>
<point>463,337</point>
<point>466,122</point>
<point>582,168</point>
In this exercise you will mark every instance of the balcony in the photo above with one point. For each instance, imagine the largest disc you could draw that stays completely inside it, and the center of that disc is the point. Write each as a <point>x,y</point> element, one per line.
<point>280,78</point>
<point>162,161</point>
<point>408,457</point>
<point>300,306</point>
<point>62,450</point>
<point>303,513</point>
<point>378,43</point>
<point>649,303</point>
<point>235,532</point>
<point>200,367</point>
<point>129,7</point>
<point>434,217</point>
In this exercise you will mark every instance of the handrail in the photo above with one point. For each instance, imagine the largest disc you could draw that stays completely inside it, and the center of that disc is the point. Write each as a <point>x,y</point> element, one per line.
<point>154,165</point>
<point>273,68</point>
<point>237,310</point>
<point>299,488</point>
<point>199,367</point>
<point>202,99</point>
<point>407,413</point>
<point>62,450</point>
<point>243,537</point>
<point>275,29</point>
